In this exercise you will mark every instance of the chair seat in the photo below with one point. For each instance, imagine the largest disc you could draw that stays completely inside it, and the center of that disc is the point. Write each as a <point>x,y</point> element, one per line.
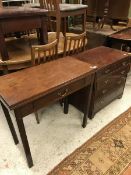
<point>71,7</point>
<point>52,37</point>
<point>63,7</point>
<point>20,50</point>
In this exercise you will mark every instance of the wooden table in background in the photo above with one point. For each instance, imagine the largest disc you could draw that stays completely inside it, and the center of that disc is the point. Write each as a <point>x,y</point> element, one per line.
<point>20,19</point>
<point>28,90</point>
<point>14,2</point>
<point>120,40</point>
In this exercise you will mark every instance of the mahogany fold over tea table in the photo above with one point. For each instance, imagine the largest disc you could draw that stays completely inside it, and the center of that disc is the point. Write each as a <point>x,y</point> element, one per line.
<point>30,89</point>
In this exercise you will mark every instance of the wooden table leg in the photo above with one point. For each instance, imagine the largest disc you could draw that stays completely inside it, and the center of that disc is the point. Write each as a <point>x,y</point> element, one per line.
<point>66,105</point>
<point>43,32</point>
<point>84,22</point>
<point>3,48</point>
<point>24,139</point>
<point>64,25</point>
<point>9,121</point>
<point>88,95</point>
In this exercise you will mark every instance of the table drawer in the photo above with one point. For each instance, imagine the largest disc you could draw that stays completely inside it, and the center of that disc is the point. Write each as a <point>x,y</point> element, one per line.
<point>61,92</point>
<point>25,24</point>
<point>26,109</point>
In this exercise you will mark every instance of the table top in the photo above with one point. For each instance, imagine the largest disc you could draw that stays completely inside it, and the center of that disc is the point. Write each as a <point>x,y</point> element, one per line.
<point>102,56</point>
<point>9,12</point>
<point>124,34</point>
<point>32,83</point>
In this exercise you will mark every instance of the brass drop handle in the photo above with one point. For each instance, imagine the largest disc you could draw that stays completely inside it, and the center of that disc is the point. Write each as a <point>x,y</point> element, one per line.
<point>64,93</point>
<point>124,63</point>
<point>107,71</point>
<point>104,91</point>
<point>101,101</point>
<point>123,72</point>
<point>123,46</point>
<point>119,82</point>
<point>106,81</point>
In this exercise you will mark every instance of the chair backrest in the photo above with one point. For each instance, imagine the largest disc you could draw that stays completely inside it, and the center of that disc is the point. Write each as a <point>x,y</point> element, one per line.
<point>51,5</point>
<point>34,1</point>
<point>44,53</point>
<point>53,8</point>
<point>75,44</point>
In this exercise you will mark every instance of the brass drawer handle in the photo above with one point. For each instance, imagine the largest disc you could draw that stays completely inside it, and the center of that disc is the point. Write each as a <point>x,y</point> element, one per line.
<point>123,72</point>
<point>106,81</point>
<point>101,101</point>
<point>119,82</point>
<point>64,93</point>
<point>104,91</point>
<point>124,63</point>
<point>107,71</point>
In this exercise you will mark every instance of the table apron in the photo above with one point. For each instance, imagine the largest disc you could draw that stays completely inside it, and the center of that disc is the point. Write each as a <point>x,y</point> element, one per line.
<point>22,24</point>
<point>56,95</point>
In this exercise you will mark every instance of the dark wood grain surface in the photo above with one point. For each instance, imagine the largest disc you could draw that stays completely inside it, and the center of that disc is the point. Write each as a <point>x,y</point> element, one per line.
<point>32,83</point>
<point>102,56</point>
<point>9,12</point>
<point>124,34</point>
<point>20,19</point>
<point>110,77</point>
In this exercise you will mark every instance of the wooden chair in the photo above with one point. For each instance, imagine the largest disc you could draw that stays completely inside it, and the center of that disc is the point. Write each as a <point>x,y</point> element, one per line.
<point>61,12</point>
<point>5,66</point>
<point>41,54</point>
<point>58,14</point>
<point>75,44</point>
<point>53,14</point>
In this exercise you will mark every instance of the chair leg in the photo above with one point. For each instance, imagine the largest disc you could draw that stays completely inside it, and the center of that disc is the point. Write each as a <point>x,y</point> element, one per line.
<point>61,101</point>
<point>66,105</point>
<point>37,117</point>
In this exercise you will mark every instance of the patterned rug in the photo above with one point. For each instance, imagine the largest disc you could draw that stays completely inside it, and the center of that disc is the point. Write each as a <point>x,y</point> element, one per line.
<point>107,153</point>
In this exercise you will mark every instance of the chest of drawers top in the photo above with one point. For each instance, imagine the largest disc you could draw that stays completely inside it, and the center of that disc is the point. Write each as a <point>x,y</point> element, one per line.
<point>32,83</point>
<point>103,57</point>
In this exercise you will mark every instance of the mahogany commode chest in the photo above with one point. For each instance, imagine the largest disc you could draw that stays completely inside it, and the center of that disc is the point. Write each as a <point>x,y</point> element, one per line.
<point>110,77</point>
<point>28,90</point>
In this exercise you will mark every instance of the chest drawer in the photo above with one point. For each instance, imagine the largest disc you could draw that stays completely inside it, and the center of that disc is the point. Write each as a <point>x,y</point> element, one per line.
<point>122,64</point>
<point>113,87</point>
<point>101,100</point>
<point>61,92</point>
<point>113,78</point>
